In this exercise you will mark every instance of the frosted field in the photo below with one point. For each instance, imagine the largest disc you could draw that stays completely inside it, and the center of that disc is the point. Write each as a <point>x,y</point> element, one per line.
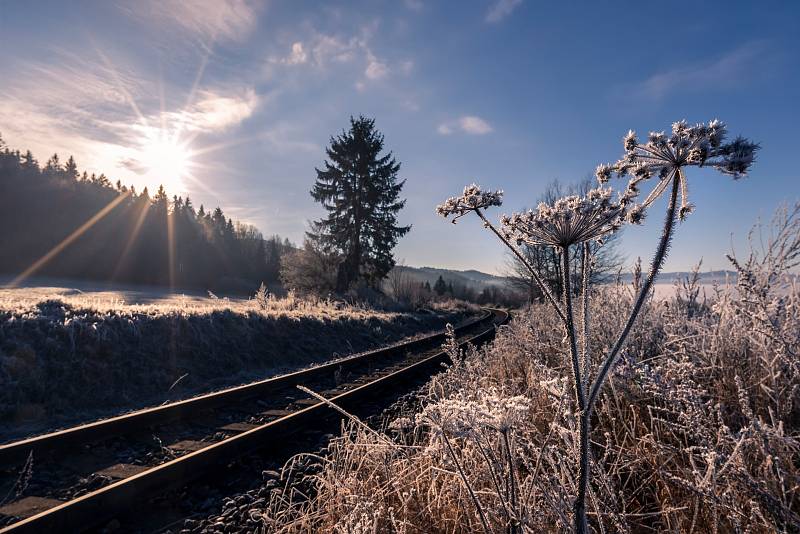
<point>93,295</point>
<point>159,300</point>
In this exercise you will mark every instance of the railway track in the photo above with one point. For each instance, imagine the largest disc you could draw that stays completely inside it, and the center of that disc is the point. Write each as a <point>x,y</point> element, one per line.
<point>82,477</point>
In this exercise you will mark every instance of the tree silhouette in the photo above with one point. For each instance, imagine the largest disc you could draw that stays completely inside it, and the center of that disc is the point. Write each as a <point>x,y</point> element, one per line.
<point>360,190</point>
<point>440,287</point>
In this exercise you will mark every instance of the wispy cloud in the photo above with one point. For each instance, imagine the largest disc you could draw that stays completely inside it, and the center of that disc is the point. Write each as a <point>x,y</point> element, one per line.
<point>414,5</point>
<point>210,19</point>
<point>67,102</point>
<point>215,111</point>
<point>320,50</point>
<point>501,9</point>
<point>285,137</point>
<point>468,124</point>
<point>734,69</point>
<point>376,69</point>
<point>298,54</point>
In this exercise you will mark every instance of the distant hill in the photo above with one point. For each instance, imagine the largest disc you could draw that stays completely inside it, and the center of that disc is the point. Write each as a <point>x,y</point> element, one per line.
<point>473,279</point>
<point>478,280</point>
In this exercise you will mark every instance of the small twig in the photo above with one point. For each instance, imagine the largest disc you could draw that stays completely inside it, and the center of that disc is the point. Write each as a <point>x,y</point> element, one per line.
<point>466,483</point>
<point>176,382</point>
<point>347,414</point>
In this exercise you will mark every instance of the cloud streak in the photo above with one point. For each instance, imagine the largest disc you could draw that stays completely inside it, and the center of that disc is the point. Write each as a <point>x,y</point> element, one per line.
<point>468,124</point>
<point>501,9</point>
<point>734,69</point>
<point>320,50</point>
<point>215,111</point>
<point>211,19</point>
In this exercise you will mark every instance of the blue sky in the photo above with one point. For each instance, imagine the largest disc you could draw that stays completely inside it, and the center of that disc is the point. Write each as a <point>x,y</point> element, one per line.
<point>510,94</point>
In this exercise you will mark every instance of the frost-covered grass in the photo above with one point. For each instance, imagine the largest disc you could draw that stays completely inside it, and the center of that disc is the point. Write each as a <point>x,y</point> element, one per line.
<point>69,355</point>
<point>698,429</point>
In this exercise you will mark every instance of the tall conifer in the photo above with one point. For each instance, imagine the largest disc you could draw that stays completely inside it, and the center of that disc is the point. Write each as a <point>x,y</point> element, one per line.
<point>360,190</point>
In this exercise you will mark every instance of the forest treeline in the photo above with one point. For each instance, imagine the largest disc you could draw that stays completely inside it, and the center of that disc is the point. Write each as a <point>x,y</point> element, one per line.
<point>116,234</point>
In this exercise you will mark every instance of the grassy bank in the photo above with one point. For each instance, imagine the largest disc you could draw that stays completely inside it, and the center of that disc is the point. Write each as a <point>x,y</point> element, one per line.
<point>74,357</point>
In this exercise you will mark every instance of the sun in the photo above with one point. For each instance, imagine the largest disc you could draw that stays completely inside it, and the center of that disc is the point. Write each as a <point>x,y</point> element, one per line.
<point>166,160</point>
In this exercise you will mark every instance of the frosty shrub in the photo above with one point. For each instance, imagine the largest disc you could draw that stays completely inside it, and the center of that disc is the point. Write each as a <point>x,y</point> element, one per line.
<point>696,430</point>
<point>576,420</point>
<point>575,221</point>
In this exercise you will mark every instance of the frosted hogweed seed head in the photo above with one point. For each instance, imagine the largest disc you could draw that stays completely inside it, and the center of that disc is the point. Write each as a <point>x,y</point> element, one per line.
<point>635,215</point>
<point>739,155</point>
<point>603,172</point>
<point>567,221</point>
<point>666,156</point>
<point>698,154</point>
<point>716,132</point>
<point>685,211</point>
<point>473,198</point>
<point>629,141</point>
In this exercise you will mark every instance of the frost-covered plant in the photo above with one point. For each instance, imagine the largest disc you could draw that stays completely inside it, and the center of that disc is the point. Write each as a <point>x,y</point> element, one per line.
<point>263,297</point>
<point>472,199</point>
<point>665,157</point>
<point>569,221</point>
<point>698,434</point>
<point>574,221</point>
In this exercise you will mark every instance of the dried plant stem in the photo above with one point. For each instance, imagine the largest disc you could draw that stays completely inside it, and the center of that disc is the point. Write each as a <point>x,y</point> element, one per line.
<point>512,481</point>
<point>581,526</point>
<point>347,414</point>
<point>474,497</point>
<point>655,267</point>
<point>584,468</point>
<point>586,268</point>
<point>493,475</point>
<point>577,381</point>
<point>536,278</point>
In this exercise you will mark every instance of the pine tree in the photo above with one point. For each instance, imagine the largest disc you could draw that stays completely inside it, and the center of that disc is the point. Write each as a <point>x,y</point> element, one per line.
<point>160,200</point>
<point>53,164</point>
<point>440,287</point>
<point>29,162</point>
<point>360,190</point>
<point>71,168</point>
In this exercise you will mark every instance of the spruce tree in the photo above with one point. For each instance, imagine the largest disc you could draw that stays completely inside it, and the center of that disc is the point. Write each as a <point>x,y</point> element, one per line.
<point>440,287</point>
<point>29,162</point>
<point>71,169</point>
<point>53,164</point>
<point>360,190</point>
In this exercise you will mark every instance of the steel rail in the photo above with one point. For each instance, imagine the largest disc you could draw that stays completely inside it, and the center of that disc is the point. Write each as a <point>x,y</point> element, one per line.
<point>12,454</point>
<point>103,504</point>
